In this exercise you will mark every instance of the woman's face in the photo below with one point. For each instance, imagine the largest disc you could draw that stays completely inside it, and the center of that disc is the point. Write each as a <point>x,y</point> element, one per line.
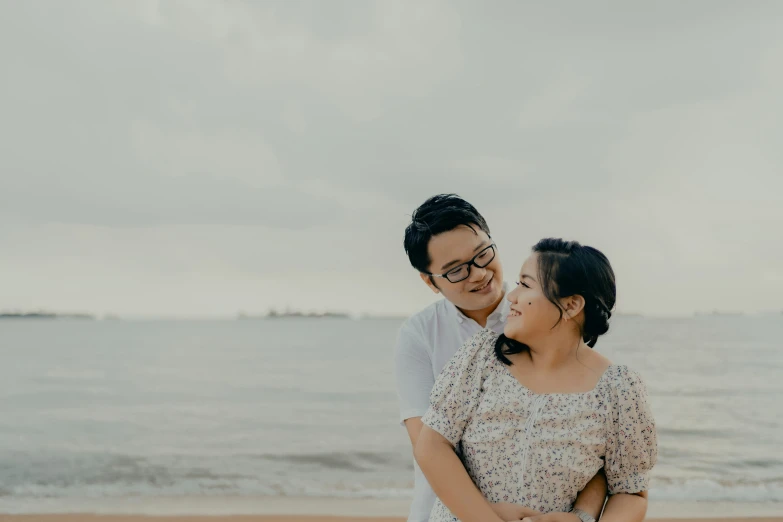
<point>532,315</point>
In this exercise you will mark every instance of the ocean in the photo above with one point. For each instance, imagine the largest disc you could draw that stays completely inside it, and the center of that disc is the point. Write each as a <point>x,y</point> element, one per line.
<point>307,407</point>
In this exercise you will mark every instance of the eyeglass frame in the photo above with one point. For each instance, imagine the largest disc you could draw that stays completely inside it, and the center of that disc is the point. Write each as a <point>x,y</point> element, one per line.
<point>469,264</point>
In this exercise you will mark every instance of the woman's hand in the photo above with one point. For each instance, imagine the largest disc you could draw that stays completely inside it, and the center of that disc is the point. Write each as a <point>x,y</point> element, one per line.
<point>553,517</point>
<point>512,512</point>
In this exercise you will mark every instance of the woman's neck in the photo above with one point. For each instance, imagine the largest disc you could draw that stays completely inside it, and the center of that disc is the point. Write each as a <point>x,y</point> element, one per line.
<point>555,350</point>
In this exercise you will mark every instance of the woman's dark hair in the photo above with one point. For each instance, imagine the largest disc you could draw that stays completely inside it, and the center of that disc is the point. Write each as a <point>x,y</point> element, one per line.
<point>566,268</point>
<point>438,214</point>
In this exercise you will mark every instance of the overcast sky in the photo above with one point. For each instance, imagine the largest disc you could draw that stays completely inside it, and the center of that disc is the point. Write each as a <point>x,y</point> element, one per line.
<point>201,157</point>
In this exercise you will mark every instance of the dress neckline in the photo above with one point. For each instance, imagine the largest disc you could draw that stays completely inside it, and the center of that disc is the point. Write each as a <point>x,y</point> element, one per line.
<point>604,375</point>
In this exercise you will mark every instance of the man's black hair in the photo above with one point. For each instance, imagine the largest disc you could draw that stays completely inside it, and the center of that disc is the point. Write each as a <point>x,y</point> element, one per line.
<point>438,214</point>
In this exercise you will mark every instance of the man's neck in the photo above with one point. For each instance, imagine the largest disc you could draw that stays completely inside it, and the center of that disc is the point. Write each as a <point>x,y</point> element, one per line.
<point>481,316</point>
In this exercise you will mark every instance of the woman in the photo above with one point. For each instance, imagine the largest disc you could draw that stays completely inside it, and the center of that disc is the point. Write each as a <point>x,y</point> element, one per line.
<point>537,411</point>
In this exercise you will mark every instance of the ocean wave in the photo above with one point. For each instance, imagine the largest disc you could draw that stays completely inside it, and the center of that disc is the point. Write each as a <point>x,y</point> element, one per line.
<point>348,461</point>
<point>351,474</point>
<point>698,491</point>
<point>697,433</point>
<point>717,491</point>
<point>43,475</point>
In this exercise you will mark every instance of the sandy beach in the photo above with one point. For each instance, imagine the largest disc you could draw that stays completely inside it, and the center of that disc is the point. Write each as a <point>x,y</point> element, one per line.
<point>81,517</point>
<point>311,509</point>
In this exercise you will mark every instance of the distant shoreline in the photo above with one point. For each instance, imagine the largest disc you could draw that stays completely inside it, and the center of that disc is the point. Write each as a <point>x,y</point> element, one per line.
<point>295,315</point>
<point>273,315</point>
<point>45,315</point>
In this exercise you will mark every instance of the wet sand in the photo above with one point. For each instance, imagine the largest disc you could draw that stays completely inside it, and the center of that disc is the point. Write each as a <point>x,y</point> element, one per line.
<point>279,518</point>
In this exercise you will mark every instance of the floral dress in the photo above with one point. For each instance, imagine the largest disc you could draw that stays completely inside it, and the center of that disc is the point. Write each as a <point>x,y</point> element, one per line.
<point>540,450</point>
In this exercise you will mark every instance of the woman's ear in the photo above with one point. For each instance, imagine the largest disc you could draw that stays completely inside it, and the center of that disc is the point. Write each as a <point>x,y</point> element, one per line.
<point>572,306</point>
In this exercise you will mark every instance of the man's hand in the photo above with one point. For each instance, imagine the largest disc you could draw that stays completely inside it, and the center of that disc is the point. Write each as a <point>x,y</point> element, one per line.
<point>552,517</point>
<point>513,512</point>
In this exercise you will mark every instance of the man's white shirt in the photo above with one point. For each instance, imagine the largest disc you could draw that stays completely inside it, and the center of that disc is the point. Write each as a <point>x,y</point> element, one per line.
<point>426,342</point>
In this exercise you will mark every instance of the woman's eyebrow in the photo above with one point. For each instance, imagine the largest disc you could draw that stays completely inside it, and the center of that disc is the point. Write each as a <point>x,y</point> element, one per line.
<point>523,276</point>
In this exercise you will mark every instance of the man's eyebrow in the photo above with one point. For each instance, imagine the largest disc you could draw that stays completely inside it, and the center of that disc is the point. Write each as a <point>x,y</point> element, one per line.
<point>459,261</point>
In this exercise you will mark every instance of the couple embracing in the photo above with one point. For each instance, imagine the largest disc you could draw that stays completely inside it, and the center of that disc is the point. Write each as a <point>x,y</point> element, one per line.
<point>511,413</point>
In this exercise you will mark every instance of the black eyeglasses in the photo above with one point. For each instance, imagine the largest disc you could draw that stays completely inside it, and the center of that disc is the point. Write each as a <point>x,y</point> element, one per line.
<point>462,272</point>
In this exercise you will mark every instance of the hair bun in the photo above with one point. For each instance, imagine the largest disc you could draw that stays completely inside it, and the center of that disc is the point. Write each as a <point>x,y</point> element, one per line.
<point>596,324</point>
<point>567,268</point>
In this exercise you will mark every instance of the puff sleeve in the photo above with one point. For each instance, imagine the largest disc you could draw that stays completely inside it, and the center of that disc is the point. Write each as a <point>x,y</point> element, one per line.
<point>632,444</point>
<point>458,388</point>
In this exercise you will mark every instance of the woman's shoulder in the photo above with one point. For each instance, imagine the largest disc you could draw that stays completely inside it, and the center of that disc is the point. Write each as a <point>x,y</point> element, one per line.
<point>470,361</point>
<point>485,337</point>
<point>479,347</point>
<point>624,383</point>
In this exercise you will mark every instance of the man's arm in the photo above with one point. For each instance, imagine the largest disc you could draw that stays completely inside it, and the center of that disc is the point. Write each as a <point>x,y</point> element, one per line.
<point>621,507</point>
<point>592,498</point>
<point>626,507</point>
<point>415,379</point>
<point>413,425</point>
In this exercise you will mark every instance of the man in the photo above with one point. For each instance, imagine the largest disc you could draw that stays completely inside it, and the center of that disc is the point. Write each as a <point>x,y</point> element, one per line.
<point>449,243</point>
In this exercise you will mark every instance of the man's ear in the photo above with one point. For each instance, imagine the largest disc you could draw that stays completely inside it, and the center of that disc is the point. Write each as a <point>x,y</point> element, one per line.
<point>428,281</point>
<point>573,305</point>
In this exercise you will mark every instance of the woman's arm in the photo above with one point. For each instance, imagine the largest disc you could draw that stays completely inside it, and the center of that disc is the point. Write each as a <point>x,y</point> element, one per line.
<point>449,479</point>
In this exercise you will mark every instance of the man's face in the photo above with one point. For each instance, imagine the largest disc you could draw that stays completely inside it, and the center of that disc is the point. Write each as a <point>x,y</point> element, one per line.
<point>483,287</point>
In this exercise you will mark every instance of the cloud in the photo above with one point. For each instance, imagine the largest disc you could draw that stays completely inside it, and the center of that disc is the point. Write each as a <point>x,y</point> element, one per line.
<point>197,112</point>
<point>231,155</point>
<point>154,200</point>
<point>205,131</point>
<point>356,68</point>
